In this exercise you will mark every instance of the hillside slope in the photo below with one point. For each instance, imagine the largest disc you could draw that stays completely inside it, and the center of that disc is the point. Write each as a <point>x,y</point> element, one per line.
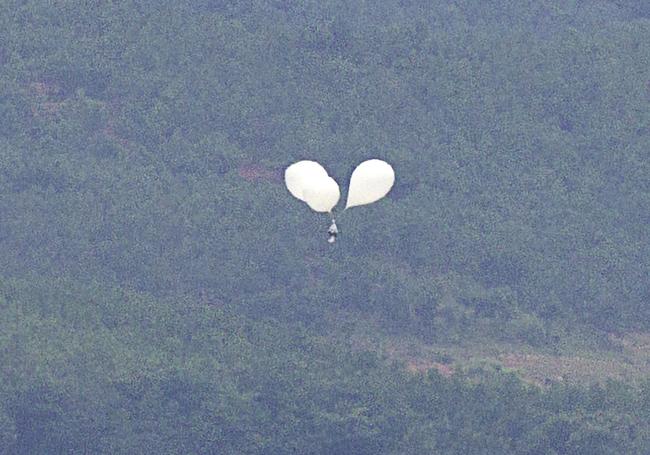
<point>160,291</point>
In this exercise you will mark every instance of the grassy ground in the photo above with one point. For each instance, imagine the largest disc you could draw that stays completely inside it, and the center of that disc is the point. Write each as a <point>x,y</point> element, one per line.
<point>625,358</point>
<point>582,360</point>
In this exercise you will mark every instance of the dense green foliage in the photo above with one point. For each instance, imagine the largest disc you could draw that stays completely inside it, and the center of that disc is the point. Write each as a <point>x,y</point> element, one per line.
<point>89,369</point>
<point>161,292</point>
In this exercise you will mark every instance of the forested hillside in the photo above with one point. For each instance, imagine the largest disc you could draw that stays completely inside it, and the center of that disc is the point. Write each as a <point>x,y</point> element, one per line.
<point>161,291</point>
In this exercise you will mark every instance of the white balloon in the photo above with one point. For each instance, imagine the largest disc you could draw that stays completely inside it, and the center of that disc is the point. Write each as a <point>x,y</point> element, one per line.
<point>370,181</point>
<point>321,193</point>
<point>300,174</point>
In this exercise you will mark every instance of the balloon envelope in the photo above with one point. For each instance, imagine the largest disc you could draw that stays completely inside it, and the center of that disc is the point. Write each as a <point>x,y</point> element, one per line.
<point>321,193</point>
<point>370,181</point>
<point>298,175</point>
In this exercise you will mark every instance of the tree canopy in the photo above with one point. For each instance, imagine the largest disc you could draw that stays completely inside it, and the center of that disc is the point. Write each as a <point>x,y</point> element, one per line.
<point>161,291</point>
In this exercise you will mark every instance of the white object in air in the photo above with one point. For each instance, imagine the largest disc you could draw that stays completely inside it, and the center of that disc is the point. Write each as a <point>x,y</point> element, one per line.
<point>300,174</point>
<point>321,193</point>
<point>370,181</point>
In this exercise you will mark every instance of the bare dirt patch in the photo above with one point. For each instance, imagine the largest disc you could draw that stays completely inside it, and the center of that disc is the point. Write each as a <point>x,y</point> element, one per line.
<point>253,172</point>
<point>628,360</point>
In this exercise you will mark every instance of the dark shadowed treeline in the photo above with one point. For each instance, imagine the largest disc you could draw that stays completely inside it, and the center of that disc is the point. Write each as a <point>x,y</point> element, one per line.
<point>160,291</point>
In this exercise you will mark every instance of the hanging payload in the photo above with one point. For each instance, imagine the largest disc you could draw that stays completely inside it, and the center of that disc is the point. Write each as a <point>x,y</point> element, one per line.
<point>309,182</point>
<point>333,231</point>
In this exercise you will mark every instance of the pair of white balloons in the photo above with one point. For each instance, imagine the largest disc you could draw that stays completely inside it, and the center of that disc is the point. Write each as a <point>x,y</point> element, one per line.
<point>310,182</point>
